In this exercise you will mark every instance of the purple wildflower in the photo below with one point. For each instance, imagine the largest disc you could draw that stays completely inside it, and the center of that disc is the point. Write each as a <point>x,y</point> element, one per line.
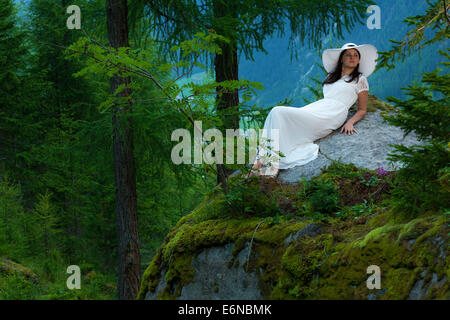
<point>381,171</point>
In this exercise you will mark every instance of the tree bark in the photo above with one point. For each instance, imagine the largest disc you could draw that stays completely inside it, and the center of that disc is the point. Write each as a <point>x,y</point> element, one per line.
<point>124,165</point>
<point>226,68</point>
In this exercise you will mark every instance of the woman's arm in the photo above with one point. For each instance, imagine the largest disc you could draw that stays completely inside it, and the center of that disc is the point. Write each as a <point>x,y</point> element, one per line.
<point>362,110</point>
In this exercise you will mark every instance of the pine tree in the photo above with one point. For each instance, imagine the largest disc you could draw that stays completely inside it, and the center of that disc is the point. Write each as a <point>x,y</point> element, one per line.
<point>67,149</point>
<point>124,163</point>
<point>424,178</point>
<point>12,52</point>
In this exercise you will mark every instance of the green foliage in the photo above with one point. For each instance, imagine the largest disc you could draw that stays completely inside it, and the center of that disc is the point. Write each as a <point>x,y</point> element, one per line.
<point>341,169</point>
<point>322,195</point>
<point>145,63</point>
<point>201,42</point>
<point>11,218</point>
<point>373,181</point>
<point>246,199</point>
<point>17,287</point>
<point>417,37</point>
<point>356,211</point>
<point>47,219</point>
<point>426,112</point>
<point>58,147</point>
<point>13,87</point>
<point>94,286</point>
<point>418,188</point>
<point>236,21</point>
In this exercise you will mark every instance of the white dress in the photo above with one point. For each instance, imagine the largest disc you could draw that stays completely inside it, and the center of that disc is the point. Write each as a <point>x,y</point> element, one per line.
<point>298,128</point>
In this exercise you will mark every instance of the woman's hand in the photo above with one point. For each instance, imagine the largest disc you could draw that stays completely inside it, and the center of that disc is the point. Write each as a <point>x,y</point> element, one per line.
<point>348,127</point>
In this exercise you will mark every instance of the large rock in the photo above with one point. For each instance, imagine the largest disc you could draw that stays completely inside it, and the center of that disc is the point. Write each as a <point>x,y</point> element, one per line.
<point>369,148</point>
<point>210,257</point>
<point>214,280</point>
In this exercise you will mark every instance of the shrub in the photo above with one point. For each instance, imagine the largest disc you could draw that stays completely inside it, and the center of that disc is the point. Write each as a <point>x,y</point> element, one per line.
<point>246,198</point>
<point>322,195</point>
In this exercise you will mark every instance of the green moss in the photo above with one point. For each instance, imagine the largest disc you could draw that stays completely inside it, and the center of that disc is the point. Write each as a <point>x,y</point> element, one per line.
<point>416,227</point>
<point>331,265</point>
<point>9,267</point>
<point>374,104</point>
<point>207,210</point>
<point>399,283</point>
<point>179,274</point>
<point>376,234</point>
<point>150,277</point>
<point>441,293</point>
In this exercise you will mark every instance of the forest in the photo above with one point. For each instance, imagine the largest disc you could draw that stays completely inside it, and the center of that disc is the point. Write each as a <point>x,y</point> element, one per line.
<point>87,115</point>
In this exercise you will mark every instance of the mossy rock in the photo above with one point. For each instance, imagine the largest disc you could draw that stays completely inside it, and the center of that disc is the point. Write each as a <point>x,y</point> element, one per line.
<point>331,264</point>
<point>8,267</point>
<point>374,104</point>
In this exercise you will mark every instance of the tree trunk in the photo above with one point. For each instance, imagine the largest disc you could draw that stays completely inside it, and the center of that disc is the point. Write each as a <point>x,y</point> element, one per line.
<point>226,68</point>
<point>124,166</point>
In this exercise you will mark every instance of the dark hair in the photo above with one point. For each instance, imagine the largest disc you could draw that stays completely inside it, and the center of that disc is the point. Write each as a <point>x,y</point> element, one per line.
<point>335,75</point>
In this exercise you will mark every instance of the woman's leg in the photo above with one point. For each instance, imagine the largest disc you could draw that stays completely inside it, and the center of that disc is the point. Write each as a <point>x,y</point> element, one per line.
<point>256,169</point>
<point>257,164</point>
<point>271,171</point>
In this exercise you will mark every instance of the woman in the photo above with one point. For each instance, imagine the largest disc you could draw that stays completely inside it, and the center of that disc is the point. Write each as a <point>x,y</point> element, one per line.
<point>346,83</point>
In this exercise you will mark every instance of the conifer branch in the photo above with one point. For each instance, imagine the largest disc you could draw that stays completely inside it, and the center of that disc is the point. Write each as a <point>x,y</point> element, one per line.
<point>143,73</point>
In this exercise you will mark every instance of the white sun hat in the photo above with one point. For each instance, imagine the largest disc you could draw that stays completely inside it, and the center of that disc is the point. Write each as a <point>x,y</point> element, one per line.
<point>367,62</point>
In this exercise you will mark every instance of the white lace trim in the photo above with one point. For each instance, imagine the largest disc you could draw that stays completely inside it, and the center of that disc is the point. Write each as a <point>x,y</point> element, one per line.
<point>362,84</point>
